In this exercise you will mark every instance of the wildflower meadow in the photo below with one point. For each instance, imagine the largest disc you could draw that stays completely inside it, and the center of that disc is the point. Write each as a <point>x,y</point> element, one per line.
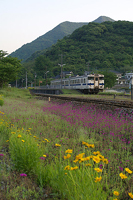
<point>79,152</point>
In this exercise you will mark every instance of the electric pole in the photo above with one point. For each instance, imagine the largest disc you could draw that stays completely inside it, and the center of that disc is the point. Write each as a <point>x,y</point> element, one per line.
<point>26,80</point>
<point>88,65</point>
<point>132,88</point>
<point>61,65</point>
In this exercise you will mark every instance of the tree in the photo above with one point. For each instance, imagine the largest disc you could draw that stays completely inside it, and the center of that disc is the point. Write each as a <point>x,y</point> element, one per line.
<point>9,68</point>
<point>109,79</point>
<point>42,64</point>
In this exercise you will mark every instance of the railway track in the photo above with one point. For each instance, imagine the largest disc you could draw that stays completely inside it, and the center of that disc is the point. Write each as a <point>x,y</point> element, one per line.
<point>104,102</point>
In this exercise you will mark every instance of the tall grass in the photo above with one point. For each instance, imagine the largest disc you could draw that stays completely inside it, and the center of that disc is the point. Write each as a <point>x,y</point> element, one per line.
<point>81,152</point>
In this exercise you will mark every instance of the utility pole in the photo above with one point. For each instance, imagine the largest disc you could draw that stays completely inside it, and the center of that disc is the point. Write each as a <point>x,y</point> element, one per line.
<point>132,88</point>
<point>88,65</point>
<point>35,79</point>
<point>46,76</point>
<point>26,80</point>
<point>16,82</point>
<point>61,65</point>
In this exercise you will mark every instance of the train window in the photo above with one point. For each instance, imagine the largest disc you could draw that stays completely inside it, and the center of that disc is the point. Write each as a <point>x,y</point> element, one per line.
<point>84,80</point>
<point>91,78</point>
<point>101,78</point>
<point>81,80</point>
<point>96,79</point>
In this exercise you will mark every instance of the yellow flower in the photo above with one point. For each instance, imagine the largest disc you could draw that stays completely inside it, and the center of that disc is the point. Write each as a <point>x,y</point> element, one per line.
<point>88,164</point>
<point>82,160</point>
<point>84,142</point>
<point>73,168</point>
<point>46,140</point>
<point>13,132</point>
<point>131,195</point>
<point>75,161</point>
<point>44,156</point>
<point>65,173</point>
<point>96,159</point>
<point>105,161</point>
<point>19,136</point>
<point>7,140</point>
<point>96,153</point>
<point>116,193</point>
<point>23,141</point>
<point>100,156</point>
<point>97,179</point>
<point>78,157</point>
<point>29,128</point>
<point>98,169</point>
<point>68,156</point>
<point>34,136</point>
<point>57,145</point>
<point>128,170</point>
<point>92,145</point>
<point>123,176</point>
<point>87,158</point>
<point>67,167</point>
<point>68,151</point>
<point>88,145</point>
<point>115,199</point>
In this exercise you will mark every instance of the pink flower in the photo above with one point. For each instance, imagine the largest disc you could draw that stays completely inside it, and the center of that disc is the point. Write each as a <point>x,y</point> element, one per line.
<point>42,158</point>
<point>1,154</point>
<point>23,174</point>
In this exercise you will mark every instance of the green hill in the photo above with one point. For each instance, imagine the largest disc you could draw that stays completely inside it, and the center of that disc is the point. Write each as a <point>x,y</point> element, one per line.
<point>103,19</point>
<point>106,46</point>
<point>47,40</point>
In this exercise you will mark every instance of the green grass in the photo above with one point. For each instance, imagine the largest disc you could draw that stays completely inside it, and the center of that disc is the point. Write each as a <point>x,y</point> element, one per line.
<point>67,91</point>
<point>38,140</point>
<point>15,93</point>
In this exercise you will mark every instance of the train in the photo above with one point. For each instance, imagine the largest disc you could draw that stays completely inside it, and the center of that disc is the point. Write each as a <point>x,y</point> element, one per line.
<point>87,84</point>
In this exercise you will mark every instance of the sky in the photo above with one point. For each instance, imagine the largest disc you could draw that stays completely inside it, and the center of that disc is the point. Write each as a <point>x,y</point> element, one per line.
<point>22,21</point>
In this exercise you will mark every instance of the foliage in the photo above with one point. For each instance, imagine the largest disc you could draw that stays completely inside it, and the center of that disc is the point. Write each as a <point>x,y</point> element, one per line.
<point>72,150</point>
<point>9,68</point>
<point>1,100</point>
<point>106,46</point>
<point>109,79</point>
<point>13,92</point>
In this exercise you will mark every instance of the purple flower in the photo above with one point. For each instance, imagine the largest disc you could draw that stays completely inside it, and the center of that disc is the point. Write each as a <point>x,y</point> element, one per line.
<point>1,154</point>
<point>121,168</point>
<point>23,174</point>
<point>42,158</point>
<point>101,166</point>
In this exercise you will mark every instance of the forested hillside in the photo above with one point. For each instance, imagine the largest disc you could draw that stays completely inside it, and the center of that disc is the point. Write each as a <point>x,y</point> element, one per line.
<point>105,46</point>
<point>46,40</point>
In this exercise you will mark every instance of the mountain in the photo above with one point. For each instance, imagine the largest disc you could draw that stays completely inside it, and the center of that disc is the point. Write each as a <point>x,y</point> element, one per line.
<point>47,40</point>
<point>103,19</point>
<point>104,45</point>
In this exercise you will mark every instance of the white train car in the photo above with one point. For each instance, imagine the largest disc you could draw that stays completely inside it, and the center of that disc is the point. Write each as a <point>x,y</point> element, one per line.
<point>92,83</point>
